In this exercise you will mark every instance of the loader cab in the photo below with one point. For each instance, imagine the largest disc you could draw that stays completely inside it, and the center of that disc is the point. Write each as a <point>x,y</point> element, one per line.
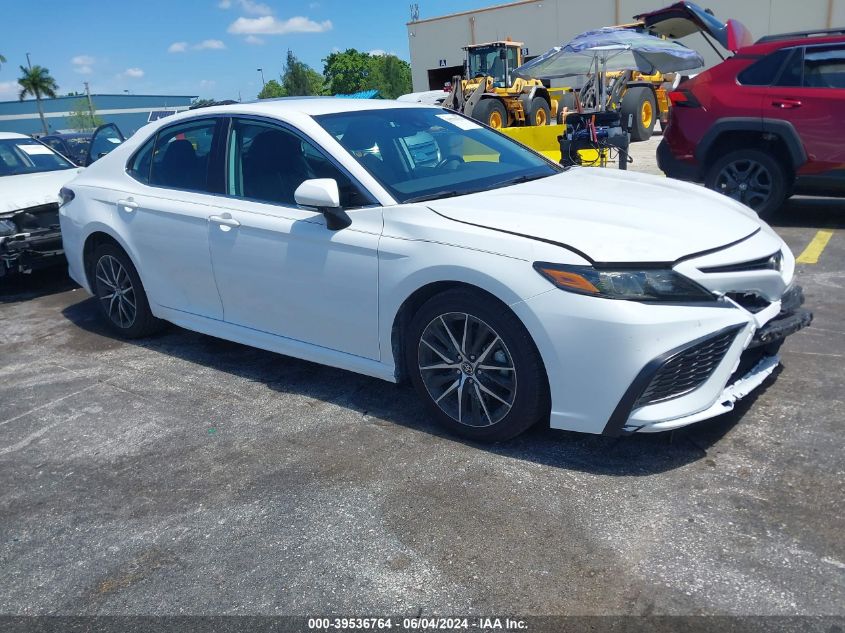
<point>495,59</point>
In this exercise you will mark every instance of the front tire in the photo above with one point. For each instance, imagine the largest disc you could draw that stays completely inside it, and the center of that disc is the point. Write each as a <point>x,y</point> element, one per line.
<point>120,295</point>
<point>751,177</point>
<point>491,112</point>
<point>475,366</point>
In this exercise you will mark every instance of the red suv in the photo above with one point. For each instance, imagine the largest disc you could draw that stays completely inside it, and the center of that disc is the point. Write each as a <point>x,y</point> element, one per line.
<point>766,123</point>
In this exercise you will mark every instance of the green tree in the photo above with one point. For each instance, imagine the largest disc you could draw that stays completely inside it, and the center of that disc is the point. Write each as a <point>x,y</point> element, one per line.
<point>347,72</point>
<point>390,75</point>
<point>299,79</point>
<point>37,82</point>
<point>2,61</point>
<point>81,119</point>
<point>271,90</point>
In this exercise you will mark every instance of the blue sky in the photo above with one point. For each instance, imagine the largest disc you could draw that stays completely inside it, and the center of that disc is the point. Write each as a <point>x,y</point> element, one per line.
<point>209,48</point>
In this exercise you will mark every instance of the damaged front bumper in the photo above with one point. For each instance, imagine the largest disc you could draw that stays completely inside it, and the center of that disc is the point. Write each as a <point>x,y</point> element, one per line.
<point>30,239</point>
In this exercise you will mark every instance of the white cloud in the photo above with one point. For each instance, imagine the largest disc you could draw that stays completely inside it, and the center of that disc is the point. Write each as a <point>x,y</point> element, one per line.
<point>177,47</point>
<point>209,45</point>
<point>255,8</point>
<point>269,25</point>
<point>377,52</point>
<point>207,83</point>
<point>82,64</point>
<point>9,90</point>
<point>134,73</point>
<point>252,7</point>
<point>253,39</point>
<point>313,5</point>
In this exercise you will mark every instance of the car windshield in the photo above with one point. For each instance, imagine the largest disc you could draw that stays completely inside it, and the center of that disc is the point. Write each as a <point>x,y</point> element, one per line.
<point>26,156</point>
<point>427,153</point>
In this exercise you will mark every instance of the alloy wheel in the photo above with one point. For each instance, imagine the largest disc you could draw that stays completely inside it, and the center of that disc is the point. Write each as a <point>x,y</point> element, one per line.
<point>115,291</point>
<point>467,369</point>
<point>746,181</point>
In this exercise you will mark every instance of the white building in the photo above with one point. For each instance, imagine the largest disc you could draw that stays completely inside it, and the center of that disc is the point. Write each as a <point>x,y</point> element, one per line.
<point>435,43</point>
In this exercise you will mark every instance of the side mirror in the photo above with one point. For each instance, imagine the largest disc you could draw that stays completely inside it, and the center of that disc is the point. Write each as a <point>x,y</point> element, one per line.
<point>323,194</point>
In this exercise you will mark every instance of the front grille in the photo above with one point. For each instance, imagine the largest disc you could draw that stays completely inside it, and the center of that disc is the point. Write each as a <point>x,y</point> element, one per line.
<point>687,370</point>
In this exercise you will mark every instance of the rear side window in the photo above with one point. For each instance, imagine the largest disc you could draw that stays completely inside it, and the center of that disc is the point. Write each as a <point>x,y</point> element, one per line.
<point>824,67</point>
<point>792,74</point>
<point>139,165</point>
<point>181,156</point>
<point>765,71</point>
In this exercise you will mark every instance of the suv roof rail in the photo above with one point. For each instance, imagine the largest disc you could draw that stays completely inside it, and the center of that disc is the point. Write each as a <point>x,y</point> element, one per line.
<point>799,34</point>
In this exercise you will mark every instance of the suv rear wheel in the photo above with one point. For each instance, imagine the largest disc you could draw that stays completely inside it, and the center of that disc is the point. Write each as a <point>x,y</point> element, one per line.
<point>751,177</point>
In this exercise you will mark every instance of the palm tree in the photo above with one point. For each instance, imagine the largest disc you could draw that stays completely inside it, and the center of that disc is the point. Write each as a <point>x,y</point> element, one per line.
<point>37,82</point>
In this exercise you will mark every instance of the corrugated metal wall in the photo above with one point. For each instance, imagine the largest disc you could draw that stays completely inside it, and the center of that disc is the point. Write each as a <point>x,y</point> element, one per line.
<point>129,112</point>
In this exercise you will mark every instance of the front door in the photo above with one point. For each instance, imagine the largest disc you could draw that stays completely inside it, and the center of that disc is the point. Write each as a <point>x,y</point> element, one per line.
<point>278,268</point>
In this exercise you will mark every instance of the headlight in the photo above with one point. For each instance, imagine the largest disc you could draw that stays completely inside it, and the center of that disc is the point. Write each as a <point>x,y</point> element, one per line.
<point>631,285</point>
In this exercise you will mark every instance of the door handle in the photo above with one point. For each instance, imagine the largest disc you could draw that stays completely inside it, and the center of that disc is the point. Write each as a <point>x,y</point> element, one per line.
<point>226,222</point>
<point>127,205</point>
<point>786,104</point>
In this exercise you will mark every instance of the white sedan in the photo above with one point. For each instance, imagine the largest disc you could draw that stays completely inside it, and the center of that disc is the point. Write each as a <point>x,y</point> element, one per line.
<point>405,241</point>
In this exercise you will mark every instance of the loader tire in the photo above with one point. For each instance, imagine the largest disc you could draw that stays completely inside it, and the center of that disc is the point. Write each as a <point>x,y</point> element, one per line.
<point>639,105</point>
<point>491,112</point>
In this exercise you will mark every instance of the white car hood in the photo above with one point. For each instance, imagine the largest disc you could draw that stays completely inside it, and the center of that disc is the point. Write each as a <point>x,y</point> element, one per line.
<point>31,190</point>
<point>610,216</point>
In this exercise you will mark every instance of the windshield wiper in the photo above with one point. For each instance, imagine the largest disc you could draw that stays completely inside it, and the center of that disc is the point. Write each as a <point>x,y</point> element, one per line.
<point>449,193</point>
<point>517,181</point>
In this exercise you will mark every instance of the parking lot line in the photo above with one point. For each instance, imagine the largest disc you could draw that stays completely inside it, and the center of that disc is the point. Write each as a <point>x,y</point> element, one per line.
<point>814,249</point>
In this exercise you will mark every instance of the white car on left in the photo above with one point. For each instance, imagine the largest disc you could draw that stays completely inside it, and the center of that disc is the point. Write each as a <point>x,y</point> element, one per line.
<point>31,175</point>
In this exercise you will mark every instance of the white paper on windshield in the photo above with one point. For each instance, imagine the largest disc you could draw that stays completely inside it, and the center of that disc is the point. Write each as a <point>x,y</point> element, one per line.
<point>459,121</point>
<point>35,150</point>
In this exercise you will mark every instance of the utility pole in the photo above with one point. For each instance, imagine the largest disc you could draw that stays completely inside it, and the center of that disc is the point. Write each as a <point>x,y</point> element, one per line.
<point>28,62</point>
<point>261,70</point>
<point>90,103</point>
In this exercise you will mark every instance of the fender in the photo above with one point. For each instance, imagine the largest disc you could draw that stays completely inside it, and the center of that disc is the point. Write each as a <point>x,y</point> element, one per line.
<point>783,129</point>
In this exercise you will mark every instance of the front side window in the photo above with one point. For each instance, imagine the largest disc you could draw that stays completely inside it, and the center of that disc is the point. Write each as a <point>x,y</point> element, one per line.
<point>425,153</point>
<point>181,156</point>
<point>824,67</point>
<point>27,156</point>
<point>267,163</point>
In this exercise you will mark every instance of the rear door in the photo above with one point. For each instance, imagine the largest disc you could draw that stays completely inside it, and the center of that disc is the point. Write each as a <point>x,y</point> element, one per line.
<point>810,94</point>
<point>104,140</point>
<point>685,18</point>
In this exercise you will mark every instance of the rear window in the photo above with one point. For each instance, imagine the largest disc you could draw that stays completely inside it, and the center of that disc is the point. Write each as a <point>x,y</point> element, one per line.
<point>765,71</point>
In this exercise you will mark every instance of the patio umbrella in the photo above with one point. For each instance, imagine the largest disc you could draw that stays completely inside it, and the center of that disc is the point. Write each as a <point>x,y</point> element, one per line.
<point>612,49</point>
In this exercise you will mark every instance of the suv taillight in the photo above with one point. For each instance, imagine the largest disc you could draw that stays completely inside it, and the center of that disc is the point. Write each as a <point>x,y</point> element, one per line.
<point>683,99</point>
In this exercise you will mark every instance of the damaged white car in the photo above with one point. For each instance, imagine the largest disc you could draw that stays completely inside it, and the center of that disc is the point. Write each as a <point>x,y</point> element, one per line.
<point>31,175</point>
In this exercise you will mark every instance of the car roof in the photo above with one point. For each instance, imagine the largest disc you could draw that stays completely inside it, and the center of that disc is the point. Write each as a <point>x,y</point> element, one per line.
<point>8,135</point>
<point>772,43</point>
<point>70,135</point>
<point>311,106</point>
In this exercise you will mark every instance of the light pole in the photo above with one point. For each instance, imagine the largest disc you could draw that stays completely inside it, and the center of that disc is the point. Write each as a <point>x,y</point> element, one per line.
<point>261,70</point>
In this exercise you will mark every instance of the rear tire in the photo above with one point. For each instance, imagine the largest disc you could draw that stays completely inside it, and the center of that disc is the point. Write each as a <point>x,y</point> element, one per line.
<point>491,112</point>
<point>568,101</point>
<point>120,295</point>
<point>475,366</point>
<point>752,177</point>
<point>538,113</point>
<point>639,105</point>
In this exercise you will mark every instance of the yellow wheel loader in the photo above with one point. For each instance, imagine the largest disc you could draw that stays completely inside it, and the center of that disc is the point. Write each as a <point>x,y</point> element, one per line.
<point>493,95</point>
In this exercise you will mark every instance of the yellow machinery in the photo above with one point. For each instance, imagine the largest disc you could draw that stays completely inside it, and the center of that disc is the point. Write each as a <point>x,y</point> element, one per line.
<point>492,94</point>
